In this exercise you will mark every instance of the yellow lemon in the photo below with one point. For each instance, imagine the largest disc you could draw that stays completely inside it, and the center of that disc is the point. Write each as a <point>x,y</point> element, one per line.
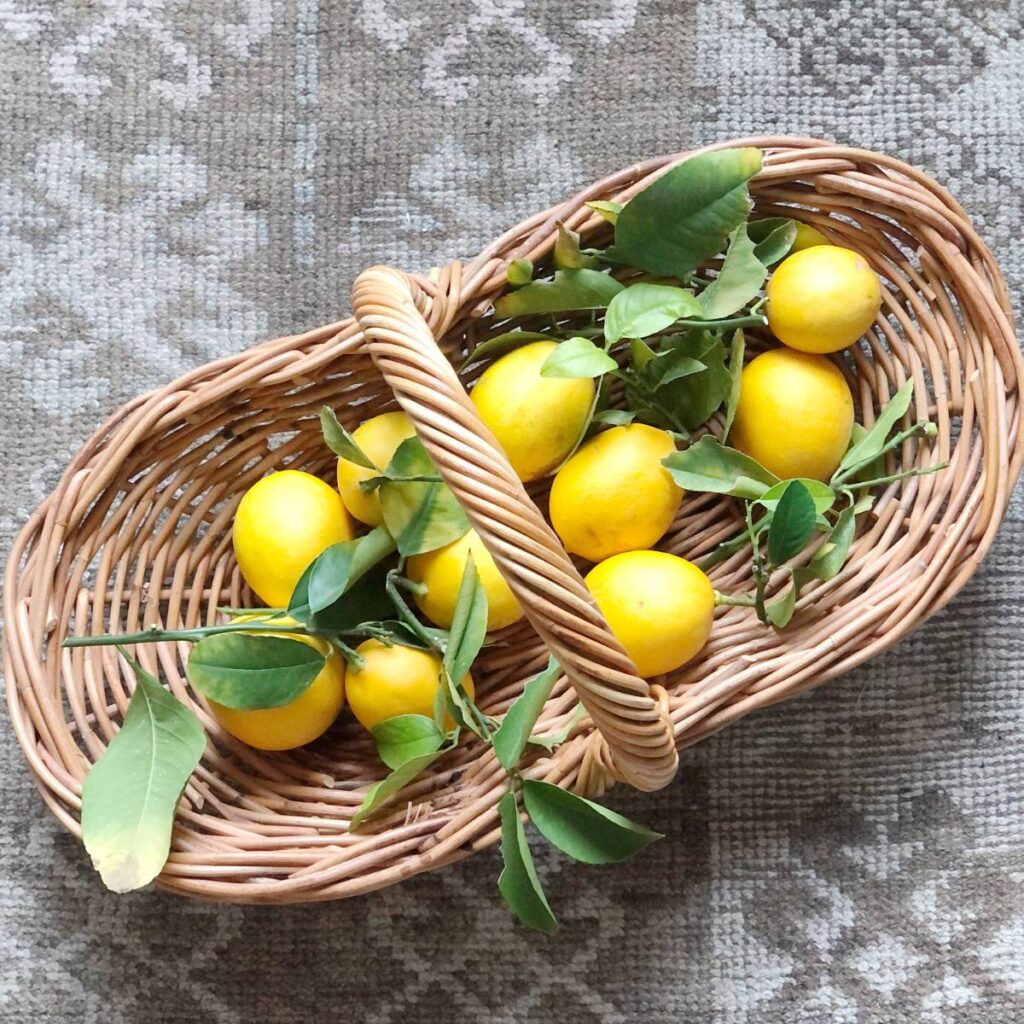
<point>282,523</point>
<point>822,298</point>
<point>536,419</point>
<point>807,236</point>
<point>795,414</point>
<point>378,437</point>
<point>614,494</point>
<point>395,680</point>
<point>301,721</point>
<point>441,572</point>
<point>658,605</point>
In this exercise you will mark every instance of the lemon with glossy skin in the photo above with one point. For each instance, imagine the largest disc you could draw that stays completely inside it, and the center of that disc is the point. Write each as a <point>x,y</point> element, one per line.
<point>441,572</point>
<point>378,437</point>
<point>822,298</point>
<point>395,680</point>
<point>302,720</point>
<point>807,236</point>
<point>659,606</point>
<point>536,419</point>
<point>614,494</point>
<point>794,415</point>
<point>282,523</point>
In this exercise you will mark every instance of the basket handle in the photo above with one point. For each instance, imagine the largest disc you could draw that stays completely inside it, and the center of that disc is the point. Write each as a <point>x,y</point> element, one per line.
<point>389,307</point>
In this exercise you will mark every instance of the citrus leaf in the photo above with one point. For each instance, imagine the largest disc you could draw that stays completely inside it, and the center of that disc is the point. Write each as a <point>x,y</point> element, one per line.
<point>870,446</point>
<point>500,344</point>
<point>606,208</point>
<point>738,281</point>
<point>735,381</point>
<point>780,611</point>
<point>510,738</point>
<point>774,237</point>
<point>793,523</point>
<point>823,495</point>
<point>710,466</point>
<point>567,255</point>
<point>130,795</point>
<point>379,794</point>
<point>519,272</point>
<point>249,672</point>
<point>404,737</point>
<point>684,217</point>
<point>518,883</point>
<point>341,442</point>
<point>577,357</point>
<point>615,417</point>
<point>674,364</point>
<point>469,624</point>
<point>570,289</point>
<point>341,565</point>
<point>832,555</point>
<point>644,309</point>
<point>556,739</point>
<point>364,599</point>
<point>586,831</point>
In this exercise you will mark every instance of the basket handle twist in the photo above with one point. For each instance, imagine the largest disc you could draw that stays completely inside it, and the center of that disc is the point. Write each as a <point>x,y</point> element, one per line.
<point>641,751</point>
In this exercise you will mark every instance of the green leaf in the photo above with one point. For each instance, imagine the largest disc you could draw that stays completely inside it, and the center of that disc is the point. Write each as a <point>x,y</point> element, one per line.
<point>510,738</point>
<point>420,516</point>
<point>571,289</point>
<point>644,309</point>
<point>130,795</point>
<point>738,281</point>
<point>615,417</point>
<point>567,253</point>
<point>249,672</point>
<point>671,365</point>
<point>710,466</point>
<point>735,380</point>
<point>607,209</point>
<point>832,555</point>
<point>379,794</point>
<point>685,216</point>
<point>577,357</point>
<point>793,523</point>
<point>469,624</point>
<point>341,442</point>
<point>780,611</point>
<point>500,344</point>
<point>556,739</point>
<point>518,883</point>
<point>774,237</point>
<point>870,446</point>
<point>823,495</point>
<point>404,737</point>
<point>340,565</point>
<point>519,272</point>
<point>586,831</point>
<point>363,600</point>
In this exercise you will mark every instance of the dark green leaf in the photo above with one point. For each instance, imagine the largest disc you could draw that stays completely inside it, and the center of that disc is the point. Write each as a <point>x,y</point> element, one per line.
<point>340,565</point>
<point>735,382</point>
<point>607,209</point>
<point>378,795</point>
<point>614,417</point>
<point>519,272</point>
<point>420,516</point>
<point>689,401</point>
<point>404,737</point>
<point>500,344</point>
<point>738,281</point>
<point>684,217</point>
<point>644,309</point>
<point>823,495</point>
<point>793,523</point>
<point>710,466</point>
<point>363,600</point>
<point>341,442</point>
<point>673,364</point>
<point>586,831</point>
<point>780,611</point>
<point>774,237</point>
<point>571,289</point>
<point>130,795</point>
<point>511,736</point>
<point>518,883</point>
<point>832,555</point>
<point>248,672</point>
<point>577,357</point>
<point>870,446</point>
<point>469,624</point>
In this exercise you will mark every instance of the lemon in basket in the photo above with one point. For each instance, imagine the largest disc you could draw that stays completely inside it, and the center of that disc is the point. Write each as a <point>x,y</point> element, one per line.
<point>537,420</point>
<point>659,606</point>
<point>614,494</point>
<point>282,523</point>
<point>395,680</point>
<point>807,236</point>
<point>794,415</point>
<point>822,298</point>
<point>379,438</point>
<point>440,571</point>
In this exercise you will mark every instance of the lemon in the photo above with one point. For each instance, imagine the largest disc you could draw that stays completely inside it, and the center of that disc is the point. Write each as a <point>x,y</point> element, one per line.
<point>395,680</point>
<point>822,298</point>
<point>614,494</point>
<point>441,572</point>
<point>807,236</point>
<point>536,419</point>
<point>659,606</point>
<point>303,719</point>
<point>282,523</point>
<point>378,437</point>
<point>794,415</point>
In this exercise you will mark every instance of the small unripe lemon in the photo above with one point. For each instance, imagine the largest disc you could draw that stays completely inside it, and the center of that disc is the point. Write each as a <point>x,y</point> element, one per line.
<point>807,236</point>
<point>822,298</point>
<point>794,415</point>
<point>395,680</point>
<point>659,606</point>
<point>536,419</point>
<point>378,437</point>
<point>614,494</point>
<point>282,523</point>
<point>302,720</point>
<point>441,572</point>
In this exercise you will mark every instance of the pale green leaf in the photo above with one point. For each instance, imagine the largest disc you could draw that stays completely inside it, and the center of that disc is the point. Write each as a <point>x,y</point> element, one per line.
<point>710,466</point>
<point>870,446</point>
<point>379,794</point>
<point>738,281</point>
<point>606,208</point>
<point>645,309</point>
<point>341,442</point>
<point>823,495</point>
<point>570,289</point>
<point>511,736</point>
<point>735,382</point>
<point>577,357</point>
<point>518,883</point>
<point>404,737</point>
<point>500,344</point>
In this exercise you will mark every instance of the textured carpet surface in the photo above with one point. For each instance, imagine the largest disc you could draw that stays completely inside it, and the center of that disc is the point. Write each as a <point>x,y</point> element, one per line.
<point>180,179</point>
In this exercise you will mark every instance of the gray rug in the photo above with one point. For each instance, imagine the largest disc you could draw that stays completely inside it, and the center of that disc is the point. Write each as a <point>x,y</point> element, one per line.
<point>179,179</point>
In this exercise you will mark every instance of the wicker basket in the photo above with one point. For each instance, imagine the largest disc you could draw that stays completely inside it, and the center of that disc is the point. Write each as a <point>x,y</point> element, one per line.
<point>138,533</point>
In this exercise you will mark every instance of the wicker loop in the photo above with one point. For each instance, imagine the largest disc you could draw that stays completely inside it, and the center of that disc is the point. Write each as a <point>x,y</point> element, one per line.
<point>389,309</point>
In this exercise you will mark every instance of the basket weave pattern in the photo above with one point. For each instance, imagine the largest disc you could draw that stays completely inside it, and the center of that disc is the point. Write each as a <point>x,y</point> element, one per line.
<point>137,533</point>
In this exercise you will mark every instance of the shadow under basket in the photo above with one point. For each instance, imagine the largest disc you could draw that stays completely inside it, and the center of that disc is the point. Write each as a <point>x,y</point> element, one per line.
<point>138,532</point>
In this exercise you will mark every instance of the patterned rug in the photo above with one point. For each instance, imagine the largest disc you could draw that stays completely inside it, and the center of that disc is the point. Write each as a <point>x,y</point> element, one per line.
<point>179,179</point>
